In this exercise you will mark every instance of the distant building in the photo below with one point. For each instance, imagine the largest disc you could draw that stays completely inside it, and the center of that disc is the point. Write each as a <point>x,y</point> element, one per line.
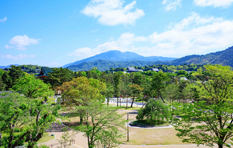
<point>44,72</point>
<point>131,69</point>
<point>140,70</point>
<point>155,69</point>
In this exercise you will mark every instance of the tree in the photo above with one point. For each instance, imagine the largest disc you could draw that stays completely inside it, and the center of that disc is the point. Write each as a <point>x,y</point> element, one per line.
<point>58,76</point>
<point>159,83</point>
<point>80,92</point>
<point>117,79</point>
<point>209,119</point>
<point>11,77</point>
<point>6,79</point>
<point>136,91</point>
<point>109,92</point>
<point>102,125</point>
<point>2,85</point>
<point>171,92</point>
<point>155,112</point>
<point>24,120</point>
<point>32,87</point>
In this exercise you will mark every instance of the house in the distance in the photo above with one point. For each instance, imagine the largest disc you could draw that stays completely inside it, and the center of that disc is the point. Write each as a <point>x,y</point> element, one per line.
<point>44,72</point>
<point>155,69</point>
<point>131,69</point>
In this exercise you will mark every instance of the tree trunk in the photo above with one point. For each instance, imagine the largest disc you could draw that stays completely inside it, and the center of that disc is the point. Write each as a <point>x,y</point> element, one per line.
<point>161,97</point>
<point>81,119</point>
<point>132,102</point>
<point>220,145</point>
<point>117,101</point>
<point>107,101</point>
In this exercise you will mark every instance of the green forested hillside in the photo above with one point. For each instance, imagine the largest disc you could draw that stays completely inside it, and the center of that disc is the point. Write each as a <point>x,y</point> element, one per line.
<point>224,57</point>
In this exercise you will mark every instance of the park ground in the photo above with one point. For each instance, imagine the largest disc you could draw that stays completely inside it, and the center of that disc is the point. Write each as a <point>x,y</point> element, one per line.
<point>139,137</point>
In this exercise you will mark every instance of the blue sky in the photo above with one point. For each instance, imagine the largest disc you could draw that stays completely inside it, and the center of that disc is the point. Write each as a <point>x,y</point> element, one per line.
<point>54,33</point>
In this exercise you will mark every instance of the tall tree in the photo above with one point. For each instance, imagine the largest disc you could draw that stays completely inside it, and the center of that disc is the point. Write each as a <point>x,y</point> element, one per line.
<point>102,126</point>
<point>58,76</point>
<point>117,79</point>
<point>136,91</point>
<point>80,92</point>
<point>109,92</point>
<point>11,77</point>
<point>209,120</point>
<point>159,83</point>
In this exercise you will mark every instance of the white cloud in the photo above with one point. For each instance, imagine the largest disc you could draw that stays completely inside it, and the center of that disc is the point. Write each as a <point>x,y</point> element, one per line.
<point>192,35</point>
<point>112,12</point>
<point>54,64</point>
<point>19,42</point>
<point>18,57</point>
<point>171,4</point>
<point>214,3</point>
<point>3,20</point>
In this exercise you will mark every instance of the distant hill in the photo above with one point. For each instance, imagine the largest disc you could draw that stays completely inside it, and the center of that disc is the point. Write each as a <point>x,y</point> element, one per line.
<point>115,55</point>
<point>116,59</point>
<point>224,57</point>
<point>8,66</point>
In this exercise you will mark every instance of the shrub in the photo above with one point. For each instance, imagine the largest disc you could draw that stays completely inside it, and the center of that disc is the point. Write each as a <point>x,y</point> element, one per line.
<point>154,112</point>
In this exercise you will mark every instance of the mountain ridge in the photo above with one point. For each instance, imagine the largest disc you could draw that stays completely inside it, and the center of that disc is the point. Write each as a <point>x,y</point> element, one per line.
<point>116,55</point>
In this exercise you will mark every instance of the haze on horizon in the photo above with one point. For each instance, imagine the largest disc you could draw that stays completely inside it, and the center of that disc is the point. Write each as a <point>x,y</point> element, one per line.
<point>54,33</point>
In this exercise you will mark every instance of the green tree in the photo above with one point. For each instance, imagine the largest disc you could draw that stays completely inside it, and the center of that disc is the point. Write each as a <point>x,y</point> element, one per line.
<point>58,76</point>
<point>117,80</point>
<point>24,120</point>
<point>136,91</point>
<point>32,87</point>
<point>171,92</point>
<point>109,92</point>
<point>2,85</point>
<point>102,125</point>
<point>80,92</point>
<point>209,119</point>
<point>159,83</point>
<point>155,112</point>
<point>6,79</point>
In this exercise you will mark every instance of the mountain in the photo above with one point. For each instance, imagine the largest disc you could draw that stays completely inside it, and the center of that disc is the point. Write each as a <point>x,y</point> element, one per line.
<point>117,59</point>
<point>8,66</point>
<point>224,57</point>
<point>115,55</point>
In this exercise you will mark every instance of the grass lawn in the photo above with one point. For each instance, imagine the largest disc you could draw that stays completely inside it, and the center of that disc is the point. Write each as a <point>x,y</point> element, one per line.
<point>140,136</point>
<point>46,138</point>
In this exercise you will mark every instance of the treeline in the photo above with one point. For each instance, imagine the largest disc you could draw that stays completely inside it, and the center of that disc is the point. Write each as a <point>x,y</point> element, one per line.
<point>164,68</point>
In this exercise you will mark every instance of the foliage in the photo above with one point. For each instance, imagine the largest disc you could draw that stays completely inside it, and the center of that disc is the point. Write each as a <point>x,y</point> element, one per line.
<point>80,92</point>
<point>102,125</point>
<point>66,138</point>
<point>159,83</point>
<point>154,112</point>
<point>209,119</point>
<point>23,119</point>
<point>109,92</point>
<point>136,91</point>
<point>10,78</point>
<point>32,87</point>
<point>58,76</point>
